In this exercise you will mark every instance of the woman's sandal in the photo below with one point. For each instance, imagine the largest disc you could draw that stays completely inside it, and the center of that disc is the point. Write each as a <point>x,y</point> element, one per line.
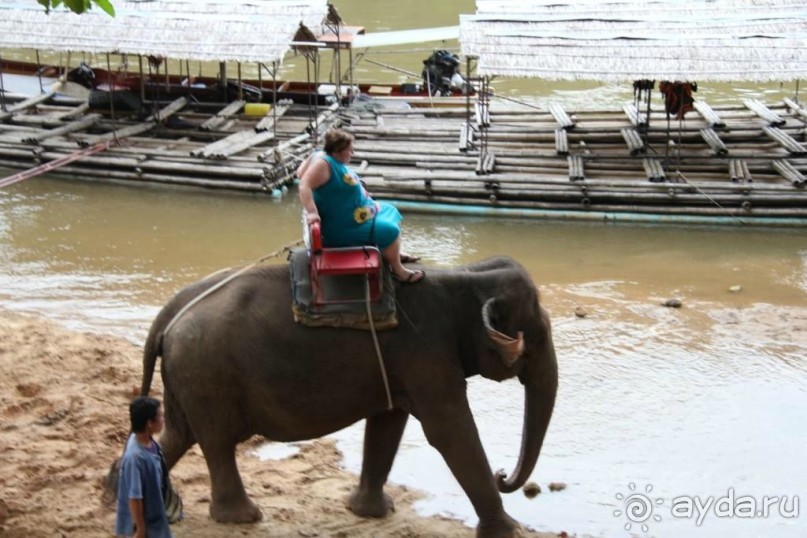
<point>407,258</point>
<point>413,278</point>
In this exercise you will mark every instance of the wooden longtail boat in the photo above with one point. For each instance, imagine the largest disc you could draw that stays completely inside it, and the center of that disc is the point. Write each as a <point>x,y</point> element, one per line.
<point>207,91</point>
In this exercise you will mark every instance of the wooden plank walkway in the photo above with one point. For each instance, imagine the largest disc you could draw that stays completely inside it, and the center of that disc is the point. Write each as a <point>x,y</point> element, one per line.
<point>634,140</point>
<point>713,139</point>
<point>576,168</point>
<point>709,115</point>
<point>789,172</point>
<point>773,119</point>
<point>255,140</point>
<point>268,121</point>
<point>637,119</point>
<point>211,150</point>
<point>738,171</point>
<point>139,128</point>
<point>796,109</point>
<point>222,115</point>
<point>564,120</point>
<point>561,142</point>
<point>654,170</point>
<point>785,140</point>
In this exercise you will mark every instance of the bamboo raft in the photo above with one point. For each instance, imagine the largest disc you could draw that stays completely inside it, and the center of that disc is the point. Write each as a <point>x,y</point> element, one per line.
<point>176,145</point>
<point>743,163</point>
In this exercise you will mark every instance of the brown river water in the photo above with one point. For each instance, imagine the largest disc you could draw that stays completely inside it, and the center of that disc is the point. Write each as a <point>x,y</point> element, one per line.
<point>703,402</point>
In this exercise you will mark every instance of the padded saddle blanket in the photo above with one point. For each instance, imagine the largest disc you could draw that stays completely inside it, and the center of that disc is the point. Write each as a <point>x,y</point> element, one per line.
<point>350,287</point>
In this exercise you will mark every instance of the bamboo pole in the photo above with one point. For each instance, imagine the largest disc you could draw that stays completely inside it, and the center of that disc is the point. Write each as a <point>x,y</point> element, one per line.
<point>233,138</point>
<point>592,197</point>
<point>163,166</point>
<point>648,209</point>
<point>77,125</point>
<point>222,115</point>
<point>257,139</point>
<point>274,98</point>
<point>161,178</point>
<point>31,102</point>
<point>138,154</point>
<point>416,175</point>
<point>240,86</point>
<point>297,144</point>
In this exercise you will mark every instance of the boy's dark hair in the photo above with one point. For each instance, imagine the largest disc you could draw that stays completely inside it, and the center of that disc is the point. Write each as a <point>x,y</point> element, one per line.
<point>141,410</point>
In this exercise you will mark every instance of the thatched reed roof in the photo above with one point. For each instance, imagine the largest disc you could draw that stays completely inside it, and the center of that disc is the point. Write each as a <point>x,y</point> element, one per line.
<point>625,40</point>
<point>218,30</point>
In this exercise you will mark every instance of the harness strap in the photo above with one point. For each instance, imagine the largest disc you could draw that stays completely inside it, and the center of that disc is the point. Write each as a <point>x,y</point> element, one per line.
<point>375,341</point>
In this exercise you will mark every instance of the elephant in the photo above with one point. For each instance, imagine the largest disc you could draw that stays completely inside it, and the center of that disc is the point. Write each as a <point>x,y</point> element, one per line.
<point>236,364</point>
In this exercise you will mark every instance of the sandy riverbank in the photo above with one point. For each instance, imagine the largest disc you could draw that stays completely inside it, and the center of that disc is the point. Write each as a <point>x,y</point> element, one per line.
<point>63,398</point>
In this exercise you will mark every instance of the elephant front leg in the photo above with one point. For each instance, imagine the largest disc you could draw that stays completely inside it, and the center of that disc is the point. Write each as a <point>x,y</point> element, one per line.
<point>382,435</point>
<point>452,431</point>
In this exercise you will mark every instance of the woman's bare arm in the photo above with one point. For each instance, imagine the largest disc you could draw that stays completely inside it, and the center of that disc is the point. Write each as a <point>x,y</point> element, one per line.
<point>315,174</point>
<point>305,164</point>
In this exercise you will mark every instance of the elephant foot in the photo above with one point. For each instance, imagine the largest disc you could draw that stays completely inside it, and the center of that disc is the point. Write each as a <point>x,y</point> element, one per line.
<point>504,527</point>
<point>243,511</point>
<point>365,504</point>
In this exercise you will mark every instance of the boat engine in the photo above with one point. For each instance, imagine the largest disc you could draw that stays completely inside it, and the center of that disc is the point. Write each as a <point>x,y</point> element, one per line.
<point>83,75</point>
<point>441,73</point>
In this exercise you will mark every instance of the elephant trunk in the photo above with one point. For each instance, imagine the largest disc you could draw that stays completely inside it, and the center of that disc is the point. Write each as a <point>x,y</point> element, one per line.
<point>539,400</point>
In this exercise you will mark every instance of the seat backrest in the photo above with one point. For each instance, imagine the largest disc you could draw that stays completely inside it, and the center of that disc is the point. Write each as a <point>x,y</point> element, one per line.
<point>316,237</point>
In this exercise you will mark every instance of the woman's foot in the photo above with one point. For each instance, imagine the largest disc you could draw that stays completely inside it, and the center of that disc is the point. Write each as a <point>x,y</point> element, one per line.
<point>410,277</point>
<point>408,258</point>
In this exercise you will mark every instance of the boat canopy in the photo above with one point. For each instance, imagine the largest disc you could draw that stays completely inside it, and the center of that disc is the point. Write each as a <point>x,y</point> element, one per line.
<point>205,30</point>
<point>405,37</point>
<point>627,40</point>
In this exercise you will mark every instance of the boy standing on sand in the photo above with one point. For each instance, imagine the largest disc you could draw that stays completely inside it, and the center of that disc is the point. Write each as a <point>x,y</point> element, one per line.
<point>140,511</point>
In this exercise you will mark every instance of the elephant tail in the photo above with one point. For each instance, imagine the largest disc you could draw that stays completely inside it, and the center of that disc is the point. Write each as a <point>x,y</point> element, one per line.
<point>109,495</point>
<point>172,312</point>
<point>152,350</point>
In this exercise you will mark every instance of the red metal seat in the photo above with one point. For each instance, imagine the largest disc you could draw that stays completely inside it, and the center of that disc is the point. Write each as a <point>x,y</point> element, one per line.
<point>335,262</point>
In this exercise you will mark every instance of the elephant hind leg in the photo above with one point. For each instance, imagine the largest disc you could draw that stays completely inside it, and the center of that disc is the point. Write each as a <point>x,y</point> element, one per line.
<point>177,437</point>
<point>382,435</point>
<point>174,445</point>
<point>230,502</point>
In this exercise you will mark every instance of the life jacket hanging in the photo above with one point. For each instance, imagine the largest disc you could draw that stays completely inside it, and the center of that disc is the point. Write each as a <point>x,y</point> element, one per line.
<point>678,98</point>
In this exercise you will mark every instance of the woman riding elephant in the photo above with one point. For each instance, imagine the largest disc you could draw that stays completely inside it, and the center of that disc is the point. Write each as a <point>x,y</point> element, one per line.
<point>332,194</point>
<point>236,364</point>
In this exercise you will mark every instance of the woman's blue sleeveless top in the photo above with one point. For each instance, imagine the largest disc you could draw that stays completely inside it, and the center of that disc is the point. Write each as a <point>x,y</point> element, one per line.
<point>349,216</point>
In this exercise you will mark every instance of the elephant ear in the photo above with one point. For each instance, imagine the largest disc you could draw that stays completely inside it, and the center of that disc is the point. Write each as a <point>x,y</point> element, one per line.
<point>510,348</point>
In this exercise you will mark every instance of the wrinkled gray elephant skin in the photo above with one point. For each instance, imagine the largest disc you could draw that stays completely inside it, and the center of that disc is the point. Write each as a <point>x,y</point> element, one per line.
<point>236,365</point>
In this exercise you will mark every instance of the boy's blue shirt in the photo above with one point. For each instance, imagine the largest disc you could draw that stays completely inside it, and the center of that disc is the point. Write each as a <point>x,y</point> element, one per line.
<point>141,478</point>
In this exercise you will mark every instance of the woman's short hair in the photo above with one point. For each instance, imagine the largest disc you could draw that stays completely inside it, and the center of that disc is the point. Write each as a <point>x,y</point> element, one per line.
<point>336,140</point>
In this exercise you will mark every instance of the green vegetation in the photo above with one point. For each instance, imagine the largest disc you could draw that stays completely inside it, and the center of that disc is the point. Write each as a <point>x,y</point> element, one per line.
<point>79,6</point>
